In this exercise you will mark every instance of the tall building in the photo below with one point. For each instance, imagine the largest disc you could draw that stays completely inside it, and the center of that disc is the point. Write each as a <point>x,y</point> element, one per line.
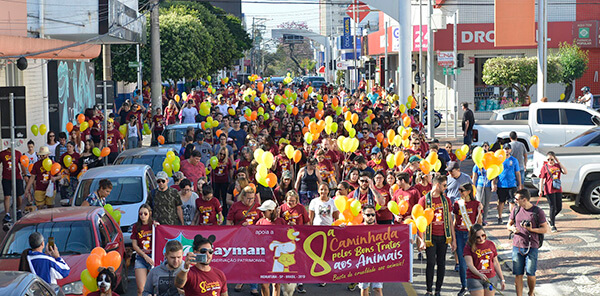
<point>230,6</point>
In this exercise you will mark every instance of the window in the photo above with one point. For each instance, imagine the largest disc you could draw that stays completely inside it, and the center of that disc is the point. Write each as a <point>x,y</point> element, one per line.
<point>522,115</point>
<point>589,138</point>
<point>126,190</point>
<point>578,117</point>
<point>110,227</point>
<point>509,116</point>
<point>154,161</point>
<point>548,116</point>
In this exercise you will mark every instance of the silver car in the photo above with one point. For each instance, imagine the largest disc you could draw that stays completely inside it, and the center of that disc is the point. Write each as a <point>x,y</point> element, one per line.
<point>152,156</point>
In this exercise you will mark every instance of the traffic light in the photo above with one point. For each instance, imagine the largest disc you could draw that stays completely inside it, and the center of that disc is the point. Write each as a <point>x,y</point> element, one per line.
<point>413,66</point>
<point>460,60</point>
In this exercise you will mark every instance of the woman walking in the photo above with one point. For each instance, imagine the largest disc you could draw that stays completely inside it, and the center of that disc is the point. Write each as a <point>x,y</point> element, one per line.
<point>550,185</point>
<point>483,265</point>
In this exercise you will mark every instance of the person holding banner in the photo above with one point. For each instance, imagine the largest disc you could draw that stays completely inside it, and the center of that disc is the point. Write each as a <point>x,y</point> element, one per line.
<point>482,260</point>
<point>406,193</point>
<point>244,212</point>
<point>270,217</point>
<point>293,212</point>
<point>439,233</point>
<point>197,277</point>
<point>467,211</point>
<point>369,213</point>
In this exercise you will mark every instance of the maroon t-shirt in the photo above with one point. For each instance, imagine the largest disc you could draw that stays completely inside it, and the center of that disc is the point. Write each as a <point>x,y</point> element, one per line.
<point>410,195</point>
<point>5,159</point>
<point>437,225</point>
<point>549,173</point>
<point>473,211</point>
<point>208,210</point>
<point>423,189</point>
<point>265,221</point>
<point>240,213</point>
<point>297,214</point>
<point>159,122</point>
<point>483,259</point>
<point>221,172</point>
<point>384,214</point>
<point>112,139</point>
<point>42,176</point>
<point>201,283</point>
<point>143,235</point>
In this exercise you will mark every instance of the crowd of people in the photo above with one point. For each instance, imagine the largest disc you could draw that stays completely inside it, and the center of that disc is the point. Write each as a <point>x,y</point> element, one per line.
<point>228,193</point>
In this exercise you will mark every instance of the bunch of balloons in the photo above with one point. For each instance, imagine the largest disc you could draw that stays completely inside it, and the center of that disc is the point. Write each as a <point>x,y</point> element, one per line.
<point>393,160</point>
<point>115,214</point>
<point>429,163</point>
<point>292,154</point>
<point>101,153</point>
<point>421,218</point>
<point>204,108</point>
<point>490,161</point>
<point>350,209</point>
<point>42,129</point>
<point>146,130</point>
<point>265,162</point>
<point>209,123</point>
<point>172,163</point>
<point>252,77</point>
<point>224,80</point>
<point>462,153</point>
<point>98,258</point>
<point>287,79</point>
<point>347,144</point>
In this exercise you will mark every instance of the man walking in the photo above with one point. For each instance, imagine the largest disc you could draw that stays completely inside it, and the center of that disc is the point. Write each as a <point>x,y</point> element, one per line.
<point>166,203</point>
<point>161,280</point>
<point>6,161</point>
<point>368,212</point>
<point>528,223</point>
<point>366,192</point>
<point>507,182</point>
<point>197,271</point>
<point>456,178</point>
<point>467,124</point>
<point>520,153</point>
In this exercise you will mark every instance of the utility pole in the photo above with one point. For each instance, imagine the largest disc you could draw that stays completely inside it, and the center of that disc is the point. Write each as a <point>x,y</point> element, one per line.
<point>253,51</point>
<point>354,17</point>
<point>420,70</point>
<point>106,62</point>
<point>455,84</point>
<point>385,64</point>
<point>156,84</point>
<point>139,67</point>
<point>542,39</point>
<point>430,75</point>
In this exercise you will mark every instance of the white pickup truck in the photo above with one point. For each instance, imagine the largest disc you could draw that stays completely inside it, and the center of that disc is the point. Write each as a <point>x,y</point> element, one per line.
<point>553,123</point>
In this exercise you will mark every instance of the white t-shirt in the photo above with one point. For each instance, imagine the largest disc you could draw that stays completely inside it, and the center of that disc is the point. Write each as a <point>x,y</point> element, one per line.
<point>189,114</point>
<point>323,211</point>
<point>189,209</point>
<point>590,98</point>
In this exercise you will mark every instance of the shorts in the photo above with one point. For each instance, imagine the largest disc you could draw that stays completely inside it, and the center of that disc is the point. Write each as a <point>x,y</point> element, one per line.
<point>7,187</point>
<point>479,284</point>
<point>524,263</point>
<point>506,194</point>
<point>364,286</point>
<point>41,199</point>
<point>140,263</point>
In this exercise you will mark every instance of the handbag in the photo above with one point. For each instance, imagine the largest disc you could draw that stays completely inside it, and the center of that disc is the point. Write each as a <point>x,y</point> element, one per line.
<point>556,183</point>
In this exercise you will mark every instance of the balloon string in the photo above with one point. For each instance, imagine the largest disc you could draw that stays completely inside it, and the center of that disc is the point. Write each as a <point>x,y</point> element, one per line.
<point>494,287</point>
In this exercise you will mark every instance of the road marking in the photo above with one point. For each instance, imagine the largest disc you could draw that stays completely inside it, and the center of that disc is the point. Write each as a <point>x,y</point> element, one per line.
<point>410,290</point>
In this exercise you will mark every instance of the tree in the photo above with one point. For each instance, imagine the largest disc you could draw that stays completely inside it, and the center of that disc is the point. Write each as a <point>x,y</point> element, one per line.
<point>574,62</point>
<point>308,64</point>
<point>518,73</point>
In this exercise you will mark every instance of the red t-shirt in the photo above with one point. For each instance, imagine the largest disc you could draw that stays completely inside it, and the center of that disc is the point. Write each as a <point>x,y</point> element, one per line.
<point>410,195</point>
<point>283,164</point>
<point>549,173</point>
<point>384,214</point>
<point>483,259</point>
<point>423,189</point>
<point>97,128</point>
<point>362,197</point>
<point>242,163</point>
<point>368,143</point>
<point>472,210</point>
<point>208,210</point>
<point>221,172</point>
<point>381,166</point>
<point>437,225</point>
<point>332,156</point>
<point>42,176</point>
<point>159,122</point>
<point>240,213</point>
<point>297,214</point>
<point>202,283</point>
<point>112,139</point>
<point>265,221</point>
<point>143,236</point>
<point>325,168</point>
<point>5,159</point>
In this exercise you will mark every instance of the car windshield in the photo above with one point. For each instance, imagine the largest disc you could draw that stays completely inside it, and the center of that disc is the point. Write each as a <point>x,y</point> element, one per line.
<point>315,79</point>
<point>174,135</point>
<point>589,138</point>
<point>154,161</point>
<point>71,237</point>
<point>125,190</point>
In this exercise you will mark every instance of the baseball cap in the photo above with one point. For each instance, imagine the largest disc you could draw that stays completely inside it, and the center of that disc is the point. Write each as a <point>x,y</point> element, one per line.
<point>507,146</point>
<point>414,158</point>
<point>375,150</point>
<point>286,175</point>
<point>452,165</point>
<point>162,176</point>
<point>268,205</point>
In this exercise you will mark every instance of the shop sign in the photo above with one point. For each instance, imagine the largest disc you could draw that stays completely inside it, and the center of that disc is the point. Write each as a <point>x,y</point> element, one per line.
<point>585,33</point>
<point>417,39</point>
<point>445,58</point>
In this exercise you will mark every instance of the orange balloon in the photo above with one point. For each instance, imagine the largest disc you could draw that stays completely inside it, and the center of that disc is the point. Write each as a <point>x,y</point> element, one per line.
<point>348,116</point>
<point>319,114</point>
<point>385,143</point>
<point>69,127</point>
<point>253,186</point>
<point>306,120</point>
<point>488,159</point>
<point>344,109</point>
<point>406,121</point>
<point>90,123</point>
<point>357,220</point>
<point>218,133</point>
<point>253,115</point>
<point>403,207</point>
<point>30,167</point>
<point>55,169</point>
<point>161,139</point>
<point>105,152</point>
<point>535,141</point>
<point>428,214</point>
<point>500,154</point>
<point>203,123</point>
<point>304,130</point>
<point>80,118</point>
<point>338,222</point>
<point>391,134</point>
<point>425,166</point>
<point>417,211</point>
<point>73,168</point>
<point>354,118</point>
<point>312,127</point>
<point>93,262</point>
<point>261,87</point>
<point>348,215</point>
<point>321,125</point>
<point>412,223</point>
<point>413,104</point>
<point>24,160</point>
<point>271,180</point>
<point>394,187</point>
<point>112,259</point>
<point>295,111</point>
<point>399,158</point>
<point>335,102</point>
<point>297,156</point>
<point>380,137</point>
<point>305,95</point>
<point>325,98</point>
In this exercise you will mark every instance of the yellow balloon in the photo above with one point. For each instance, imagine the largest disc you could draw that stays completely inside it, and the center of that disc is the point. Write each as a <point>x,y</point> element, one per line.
<point>289,151</point>
<point>340,203</point>
<point>393,207</point>
<point>437,166</point>
<point>347,125</point>
<point>478,156</point>
<point>258,154</point>
<point>493,171</point>
<point>421,223</point>
<point>402,108</point>
<point>355,207</point>
<point>464,149</point>
<point>267,159</point>
<point>355,144</point>
<point>347,144</point>
<point>262,171</point>
<point>47,164</point>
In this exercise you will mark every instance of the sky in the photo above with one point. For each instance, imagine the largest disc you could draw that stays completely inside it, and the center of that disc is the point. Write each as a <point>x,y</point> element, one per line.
<point>277,12</point>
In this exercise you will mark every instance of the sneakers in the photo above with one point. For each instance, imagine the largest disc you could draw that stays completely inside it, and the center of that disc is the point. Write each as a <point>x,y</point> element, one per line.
<point>553,228</point>
<point>484,223</point>
<point>322,284</point>
<point>463,291</point>
<point>7,219</point>
<point>351,287</point>
<point>300,289</point>
<point>500,221</point>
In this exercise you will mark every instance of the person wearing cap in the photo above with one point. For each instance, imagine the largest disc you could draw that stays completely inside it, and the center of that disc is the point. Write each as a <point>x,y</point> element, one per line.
<point>376,161</point>
<point>456,178</point>
<point>508,182</point>
<point>188,114</point>
<point>41,178</point>
<point>6,161</point>
<point>413,167</point>
<point>270,214</point>
<point>165,203</point>
<point>98,197</point>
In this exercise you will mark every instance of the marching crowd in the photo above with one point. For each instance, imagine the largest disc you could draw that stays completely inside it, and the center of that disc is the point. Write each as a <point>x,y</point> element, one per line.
<point>227,192</point>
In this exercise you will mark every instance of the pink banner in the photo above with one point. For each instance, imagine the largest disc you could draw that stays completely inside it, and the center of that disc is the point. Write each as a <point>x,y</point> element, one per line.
<point>306,254</point>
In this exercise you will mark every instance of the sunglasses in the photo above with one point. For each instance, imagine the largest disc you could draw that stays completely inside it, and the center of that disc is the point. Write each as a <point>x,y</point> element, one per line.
<point>161,181</point>
<point>51,136</point>
<point>482,237</point>
<point>462,189</point>
<point>205,250</point>
<point>144,214</point>
<point>363,181</point>
<point>369,215</point>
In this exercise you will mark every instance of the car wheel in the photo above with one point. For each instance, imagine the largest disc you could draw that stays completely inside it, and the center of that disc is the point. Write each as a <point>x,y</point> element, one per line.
<point>122,287</point>
<point>591,197</point>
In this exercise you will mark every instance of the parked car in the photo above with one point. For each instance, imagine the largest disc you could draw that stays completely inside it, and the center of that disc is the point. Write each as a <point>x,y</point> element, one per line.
<point>133,185</point>
<point>590,137</point>
<point>19,283</point>
<point>174,134</point>
<point>315,81</point>
<point>515,113</point>
<point>553,123</point>
<point>152,156</point>
<point>76,231</point>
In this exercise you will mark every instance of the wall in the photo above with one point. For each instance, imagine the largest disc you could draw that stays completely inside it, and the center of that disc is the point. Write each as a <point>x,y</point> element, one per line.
<point>13,18</point>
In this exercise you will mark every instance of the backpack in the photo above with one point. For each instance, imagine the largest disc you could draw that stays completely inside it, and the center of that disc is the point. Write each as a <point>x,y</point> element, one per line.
<point>536,215</point>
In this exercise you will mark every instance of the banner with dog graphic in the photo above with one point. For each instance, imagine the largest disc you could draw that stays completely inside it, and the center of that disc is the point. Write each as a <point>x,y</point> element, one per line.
<point>300,254</point>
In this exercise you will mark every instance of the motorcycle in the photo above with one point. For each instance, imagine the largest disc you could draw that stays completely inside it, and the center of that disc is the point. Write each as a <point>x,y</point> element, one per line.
<point>437,118</point>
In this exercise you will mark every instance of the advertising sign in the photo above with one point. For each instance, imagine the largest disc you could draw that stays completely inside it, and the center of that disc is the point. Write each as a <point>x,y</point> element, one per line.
<point>585,33</point>
<point>445,58</point>
<point>417,39</point>
<point>306,254</point>
<point>347,36</point>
